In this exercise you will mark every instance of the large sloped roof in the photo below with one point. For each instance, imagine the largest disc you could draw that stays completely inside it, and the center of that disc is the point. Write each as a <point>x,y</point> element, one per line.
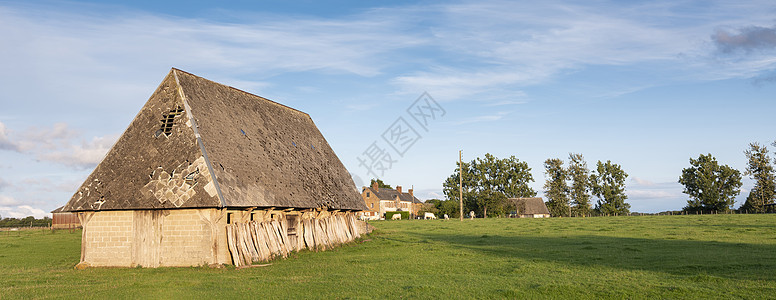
<point>197,143</point>
<point>530,206</point>
<point>391,194</point>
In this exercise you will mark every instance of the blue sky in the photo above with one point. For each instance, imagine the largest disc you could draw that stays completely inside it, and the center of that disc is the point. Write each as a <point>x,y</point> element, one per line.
<point>647,85</point>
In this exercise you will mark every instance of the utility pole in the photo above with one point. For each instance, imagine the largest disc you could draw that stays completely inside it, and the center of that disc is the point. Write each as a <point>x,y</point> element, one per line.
<point>460,183</point>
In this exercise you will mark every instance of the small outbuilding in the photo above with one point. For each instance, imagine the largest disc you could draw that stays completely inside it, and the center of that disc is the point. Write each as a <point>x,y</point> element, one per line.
<point>530,208</point>
<point>64,220</point>
<point>209,174</point>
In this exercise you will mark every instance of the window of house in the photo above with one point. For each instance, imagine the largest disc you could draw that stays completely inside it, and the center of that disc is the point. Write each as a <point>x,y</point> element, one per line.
<point>373,205</point>
<point>367,194</point>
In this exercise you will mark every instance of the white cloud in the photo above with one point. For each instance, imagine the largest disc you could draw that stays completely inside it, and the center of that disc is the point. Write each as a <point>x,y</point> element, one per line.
<point>652,194</point>
<point>64,145</point>
<point>5,142</point>
<point>39,139</point>
<point>5,200</point>
<point>642,181</point>
<point>22,211</point>
<point>85,154</point>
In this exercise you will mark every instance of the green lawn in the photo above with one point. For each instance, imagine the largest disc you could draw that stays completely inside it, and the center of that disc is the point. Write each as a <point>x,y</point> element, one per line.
<point>710,256</point>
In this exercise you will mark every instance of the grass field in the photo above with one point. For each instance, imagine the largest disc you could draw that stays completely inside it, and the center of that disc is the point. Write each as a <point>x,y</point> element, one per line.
<point>710,256</point>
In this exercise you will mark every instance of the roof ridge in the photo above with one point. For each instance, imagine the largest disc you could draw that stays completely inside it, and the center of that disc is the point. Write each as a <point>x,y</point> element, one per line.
<point>239,90</point>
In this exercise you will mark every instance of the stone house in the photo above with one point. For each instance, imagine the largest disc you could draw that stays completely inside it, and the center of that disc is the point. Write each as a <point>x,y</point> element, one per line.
<point>205,169</point>
<point>380,200</point>
<point>530,208</point>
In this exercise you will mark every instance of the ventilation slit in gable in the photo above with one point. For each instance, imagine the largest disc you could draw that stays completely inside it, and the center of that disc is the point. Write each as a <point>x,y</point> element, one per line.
<point>167,121</point>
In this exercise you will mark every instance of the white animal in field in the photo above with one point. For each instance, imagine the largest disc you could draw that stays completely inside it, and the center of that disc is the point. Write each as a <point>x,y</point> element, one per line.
<point>429,215</point>
<point>396,217</point>
<point>471,214</point>
<point>447,217</point>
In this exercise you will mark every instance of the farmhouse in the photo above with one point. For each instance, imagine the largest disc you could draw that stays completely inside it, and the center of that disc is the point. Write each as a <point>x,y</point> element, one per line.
<point>530,207</point>
<point>379,200</point>
<point>209,174</point>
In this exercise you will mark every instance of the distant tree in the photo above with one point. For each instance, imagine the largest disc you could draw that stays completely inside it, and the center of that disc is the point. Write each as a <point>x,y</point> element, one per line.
<point>711,187</point>
<point>608,185</point>
<point>555,188</point>
<point>489,181</point>
<point>435,202</point>
<point>451,190</point>
<point>428,206</point>
<point>579,193</point>
<point>380,183</point>
<point>450,208</point>
<point>760,169</point>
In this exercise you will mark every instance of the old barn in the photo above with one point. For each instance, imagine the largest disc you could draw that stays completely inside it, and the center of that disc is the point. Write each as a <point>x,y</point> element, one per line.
<point>530,207</point>
<point>209,174</point>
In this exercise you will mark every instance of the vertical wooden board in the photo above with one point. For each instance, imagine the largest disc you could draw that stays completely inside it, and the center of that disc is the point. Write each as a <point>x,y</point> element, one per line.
<point>271,246</point>
<point>242,247</point>
<point>84,217</point>
<point>146,238</point>
<point>307,234</point>
<point>273,226</point>
<point>231,245</point>
<point>245,234</point>
<point>299,234</point>
<point>282,237</point>
<point>271,241</point>
<point>261,245</point>
<point>140,239</point>
<point>356,228</point>
<point>349,223</point>
<point>320,235</point>
<point>331,230</point>
<point>157,221</point>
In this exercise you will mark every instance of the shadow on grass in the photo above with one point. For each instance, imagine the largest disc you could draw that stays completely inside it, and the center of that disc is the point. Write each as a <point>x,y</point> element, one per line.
<point>677,257</point>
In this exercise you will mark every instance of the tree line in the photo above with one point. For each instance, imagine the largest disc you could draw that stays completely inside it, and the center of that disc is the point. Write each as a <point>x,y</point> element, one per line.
<point>25,222</point>
<point>489,181</point>
<point>569,189</point>
<point>712,187</point>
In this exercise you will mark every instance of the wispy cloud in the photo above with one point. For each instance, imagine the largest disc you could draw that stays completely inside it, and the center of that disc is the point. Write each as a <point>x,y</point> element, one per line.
<point>484,118</point>
<point>506,102</point>
<point>482,48</point>
<point>4,184</point>
<point>264,46</point>
<point>45,184</point>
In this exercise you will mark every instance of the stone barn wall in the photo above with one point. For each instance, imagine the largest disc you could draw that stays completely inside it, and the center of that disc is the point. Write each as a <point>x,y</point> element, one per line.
<point>154,238</point>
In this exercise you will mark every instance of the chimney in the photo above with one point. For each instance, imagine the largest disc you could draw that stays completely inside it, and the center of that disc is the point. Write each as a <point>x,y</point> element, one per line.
<point>398,189</point>
<point>411,194</point>
<point>375,185</point>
